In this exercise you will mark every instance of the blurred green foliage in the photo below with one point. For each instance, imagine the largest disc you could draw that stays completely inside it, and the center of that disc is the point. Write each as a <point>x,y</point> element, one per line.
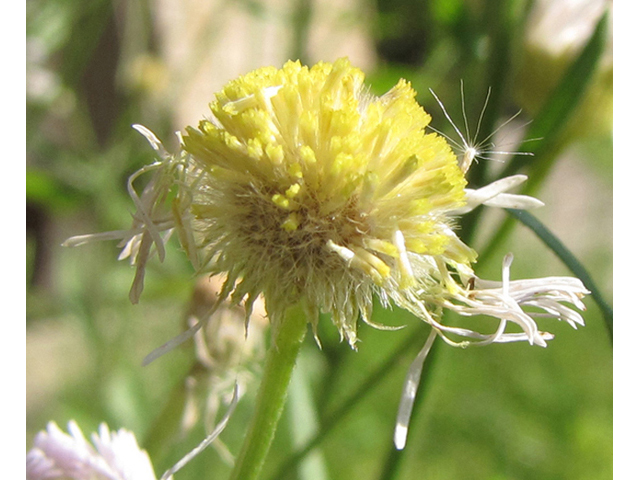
<point>501,412</point>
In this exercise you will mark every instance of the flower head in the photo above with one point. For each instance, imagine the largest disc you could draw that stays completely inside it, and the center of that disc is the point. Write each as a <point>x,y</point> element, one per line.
<point>312,188</point>
<point>113,455</point>
<point>303,186</point>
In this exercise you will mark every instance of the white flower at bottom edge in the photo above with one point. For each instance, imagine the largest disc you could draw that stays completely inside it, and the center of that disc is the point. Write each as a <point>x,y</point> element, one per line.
<point>113,455</point>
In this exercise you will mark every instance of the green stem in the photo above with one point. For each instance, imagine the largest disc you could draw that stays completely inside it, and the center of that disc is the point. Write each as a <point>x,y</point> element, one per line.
<point>281,359</point>
<point>352,401</point>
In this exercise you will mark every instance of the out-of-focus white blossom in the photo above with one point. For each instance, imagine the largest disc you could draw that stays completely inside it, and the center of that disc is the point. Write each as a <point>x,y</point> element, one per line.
<point>562,27</point>
<point>113,455</point>
<point>555,34</point>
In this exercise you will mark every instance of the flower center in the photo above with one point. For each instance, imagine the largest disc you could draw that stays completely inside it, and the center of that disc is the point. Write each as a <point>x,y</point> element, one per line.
<point>295,241</point>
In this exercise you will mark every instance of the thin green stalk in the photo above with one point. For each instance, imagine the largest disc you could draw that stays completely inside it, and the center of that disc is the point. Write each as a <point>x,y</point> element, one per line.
<point>281,359</point>
<point>302,13</point>
<point>339,413</point>
<point>304,423</point>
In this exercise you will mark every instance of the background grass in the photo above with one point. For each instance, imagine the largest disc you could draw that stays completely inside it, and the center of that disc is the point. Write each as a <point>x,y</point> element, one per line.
<point>501,412</point>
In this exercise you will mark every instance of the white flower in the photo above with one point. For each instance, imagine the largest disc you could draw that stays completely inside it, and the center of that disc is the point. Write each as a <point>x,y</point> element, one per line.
<point>113,455</point>
<point>561,27</point>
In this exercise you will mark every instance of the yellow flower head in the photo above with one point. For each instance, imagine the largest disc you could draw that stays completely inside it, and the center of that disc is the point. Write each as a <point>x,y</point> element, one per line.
<point>303,187</point>
<point>311,188</point>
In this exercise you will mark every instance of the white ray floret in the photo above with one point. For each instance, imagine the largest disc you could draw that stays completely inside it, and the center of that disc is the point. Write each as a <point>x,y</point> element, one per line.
<point>409,391</point>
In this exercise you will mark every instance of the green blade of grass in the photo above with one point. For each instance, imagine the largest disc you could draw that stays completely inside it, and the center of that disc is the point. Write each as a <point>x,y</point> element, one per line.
<point>550,123</point>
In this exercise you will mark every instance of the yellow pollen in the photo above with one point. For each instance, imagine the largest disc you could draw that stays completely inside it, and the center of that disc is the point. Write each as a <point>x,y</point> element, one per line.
<point>293,190</point>
<point>291,223</point>
<point>280,200</point>
<point>275,153</point>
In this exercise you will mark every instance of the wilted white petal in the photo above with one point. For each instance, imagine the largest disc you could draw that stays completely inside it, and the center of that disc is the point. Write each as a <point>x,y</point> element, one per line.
<point>144,209</point>
<point>155,143</point>
<point>543,297</point>
<point>556,310</point>
<point>153,220</point>
<point>511,200</point>
<point>131,249</point>
<point>97,237</point>
<point>543,337</point>
<point>485,194</point>
<point>409,393</point>
<point>207,441</point>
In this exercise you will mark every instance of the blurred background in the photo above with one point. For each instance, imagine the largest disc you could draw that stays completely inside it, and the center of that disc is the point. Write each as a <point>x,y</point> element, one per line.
<point>500,412</point>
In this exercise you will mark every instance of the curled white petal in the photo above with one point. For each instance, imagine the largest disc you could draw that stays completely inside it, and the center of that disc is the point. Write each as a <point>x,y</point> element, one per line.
<point>78,240</point>
<point>494,195</point>
<point>409,393</point>
<point>207,441</point>
<point>155,143</point>
<point>510,200</point>
<point>507,300</point>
